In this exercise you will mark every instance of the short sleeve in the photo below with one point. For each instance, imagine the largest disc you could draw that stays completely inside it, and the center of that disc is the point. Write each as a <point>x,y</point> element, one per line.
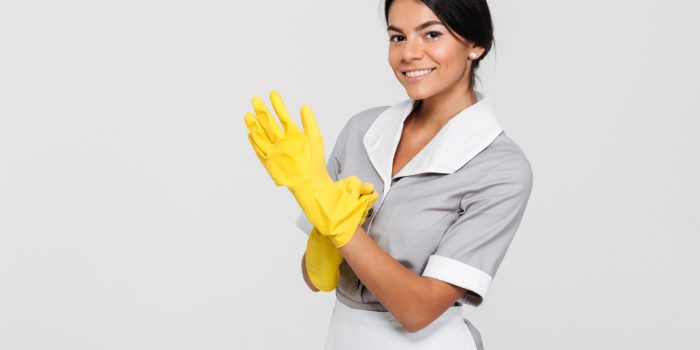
<point>333,167</point>
<point>473,247</point>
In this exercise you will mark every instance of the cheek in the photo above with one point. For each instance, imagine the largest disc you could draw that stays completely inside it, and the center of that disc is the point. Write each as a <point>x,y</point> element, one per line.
<point>394,58</point>
<point>452,66</point>
<point>395,63</point>
<point>449,54</point>
<point>445,57</point>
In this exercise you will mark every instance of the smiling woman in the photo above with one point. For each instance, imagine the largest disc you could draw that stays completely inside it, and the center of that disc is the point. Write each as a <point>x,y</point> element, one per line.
<point>453,188</point>
<point>454,36</point>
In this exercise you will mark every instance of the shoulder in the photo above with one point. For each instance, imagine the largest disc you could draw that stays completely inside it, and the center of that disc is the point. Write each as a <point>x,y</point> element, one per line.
<point>508,150</point>
<point>350,137</point>
<point>503,161</point>
<point>361,121</point>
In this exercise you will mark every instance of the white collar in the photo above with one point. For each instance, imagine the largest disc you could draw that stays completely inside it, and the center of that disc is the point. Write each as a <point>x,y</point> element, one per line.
<point>457,142</point>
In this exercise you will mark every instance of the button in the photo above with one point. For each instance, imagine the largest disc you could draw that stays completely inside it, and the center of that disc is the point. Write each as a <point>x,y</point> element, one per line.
<point>369,213</point>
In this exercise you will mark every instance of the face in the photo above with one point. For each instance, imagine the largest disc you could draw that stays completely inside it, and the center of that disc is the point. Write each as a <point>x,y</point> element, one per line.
<point>418,41</point>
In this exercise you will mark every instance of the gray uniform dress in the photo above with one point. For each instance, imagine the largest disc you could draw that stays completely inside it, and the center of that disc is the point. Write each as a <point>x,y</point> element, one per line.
<point>451,212</point>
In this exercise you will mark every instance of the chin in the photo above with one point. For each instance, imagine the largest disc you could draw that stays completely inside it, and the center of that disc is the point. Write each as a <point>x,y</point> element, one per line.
<point>418,94</point>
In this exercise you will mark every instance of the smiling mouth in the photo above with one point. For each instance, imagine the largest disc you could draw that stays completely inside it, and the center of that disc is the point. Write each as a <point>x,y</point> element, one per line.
<point>419,73</point>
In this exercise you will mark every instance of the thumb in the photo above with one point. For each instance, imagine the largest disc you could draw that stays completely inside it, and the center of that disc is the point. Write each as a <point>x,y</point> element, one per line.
<point>354,185</point>
<point>367,188</point>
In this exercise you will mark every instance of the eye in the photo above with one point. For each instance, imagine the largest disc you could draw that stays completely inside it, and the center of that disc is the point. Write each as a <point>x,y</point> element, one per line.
<point>433,34</point>
<point>392,37</point>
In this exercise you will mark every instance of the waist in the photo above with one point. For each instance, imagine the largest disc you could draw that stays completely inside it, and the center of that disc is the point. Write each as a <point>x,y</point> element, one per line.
<point>385,318</point>
<point>369,306</point>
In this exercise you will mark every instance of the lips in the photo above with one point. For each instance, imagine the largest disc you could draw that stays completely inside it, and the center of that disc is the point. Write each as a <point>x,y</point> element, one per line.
<point>404,72</point>
<point>416,75</point>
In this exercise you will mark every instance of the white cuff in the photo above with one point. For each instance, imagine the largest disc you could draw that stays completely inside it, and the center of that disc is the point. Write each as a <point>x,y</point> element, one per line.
<point>303,223</point>
<point>458,273</point>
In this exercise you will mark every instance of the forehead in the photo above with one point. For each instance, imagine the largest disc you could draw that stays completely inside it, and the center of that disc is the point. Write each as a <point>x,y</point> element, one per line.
<point>406,14</point>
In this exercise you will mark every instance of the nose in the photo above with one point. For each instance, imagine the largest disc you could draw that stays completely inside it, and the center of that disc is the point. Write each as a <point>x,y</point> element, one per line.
<point>412,50</point>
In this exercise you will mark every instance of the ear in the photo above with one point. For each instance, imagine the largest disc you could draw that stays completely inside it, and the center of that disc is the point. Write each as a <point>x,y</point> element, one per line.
<point>478,50</point>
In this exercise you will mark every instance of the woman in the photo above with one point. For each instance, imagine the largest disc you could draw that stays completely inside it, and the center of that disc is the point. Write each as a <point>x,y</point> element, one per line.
<point>450,190</point>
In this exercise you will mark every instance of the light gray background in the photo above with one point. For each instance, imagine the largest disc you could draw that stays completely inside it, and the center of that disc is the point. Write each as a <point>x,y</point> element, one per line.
<point>135,215</point>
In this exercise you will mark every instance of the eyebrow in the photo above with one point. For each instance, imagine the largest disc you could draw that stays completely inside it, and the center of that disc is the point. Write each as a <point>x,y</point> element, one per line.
<point>426,24</point>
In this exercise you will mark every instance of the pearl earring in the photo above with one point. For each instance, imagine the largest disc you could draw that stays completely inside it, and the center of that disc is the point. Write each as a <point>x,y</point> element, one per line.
<point>472,55</point>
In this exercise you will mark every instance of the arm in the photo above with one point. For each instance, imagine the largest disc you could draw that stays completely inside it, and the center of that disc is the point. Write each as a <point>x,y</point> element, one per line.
<point>415,301</point>
<point>305,274</point>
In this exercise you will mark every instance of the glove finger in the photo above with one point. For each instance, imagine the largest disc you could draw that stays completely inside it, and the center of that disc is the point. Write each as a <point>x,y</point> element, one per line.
<point>267,121</point>
<point>281,110</point>
<point>254,127</point>
<point>258,151</point>
<point>367,188</point>
<point>313,134</point>
<point>372,198</point>
<point>353,184</point>
<point>368,206</point>
<point>260,143</point>
<point>308,120</point>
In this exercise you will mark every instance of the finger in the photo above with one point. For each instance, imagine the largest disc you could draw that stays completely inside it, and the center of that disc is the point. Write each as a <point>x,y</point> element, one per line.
<point>308,121</point>
<point>258,151</point>
<point>266,120</point>
<point>312,132</point>
<point>281,110</point>
<point>367,188</point>
<point>353,185</point>
<point>372,198</point>
<point>257,136</point>
<point>254,127</point>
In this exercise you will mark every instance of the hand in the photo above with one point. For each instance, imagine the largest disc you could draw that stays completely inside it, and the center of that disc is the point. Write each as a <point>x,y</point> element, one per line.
<point>289,155</point>
<point>322,257</point>
<point>296,160</point>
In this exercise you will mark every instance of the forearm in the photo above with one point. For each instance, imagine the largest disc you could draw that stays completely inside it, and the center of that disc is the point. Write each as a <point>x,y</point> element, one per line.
<point>411,298</point>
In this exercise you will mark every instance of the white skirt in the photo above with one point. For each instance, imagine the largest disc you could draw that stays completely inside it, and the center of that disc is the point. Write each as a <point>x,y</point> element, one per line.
<point>353,329</point>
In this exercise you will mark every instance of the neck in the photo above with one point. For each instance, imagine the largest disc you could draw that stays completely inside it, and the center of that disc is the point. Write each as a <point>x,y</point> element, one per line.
<point>437,110</point>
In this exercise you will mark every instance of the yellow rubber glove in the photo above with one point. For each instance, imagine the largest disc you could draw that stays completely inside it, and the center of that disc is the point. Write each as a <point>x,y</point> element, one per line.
<point>296,160</point>
<point>322,257</point>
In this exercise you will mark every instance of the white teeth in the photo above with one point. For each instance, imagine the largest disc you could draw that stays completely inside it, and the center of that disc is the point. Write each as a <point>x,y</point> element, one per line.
<point>418,73</point>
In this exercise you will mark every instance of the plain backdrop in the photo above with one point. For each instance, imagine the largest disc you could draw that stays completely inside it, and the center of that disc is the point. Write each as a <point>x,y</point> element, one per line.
<point>134,213</point>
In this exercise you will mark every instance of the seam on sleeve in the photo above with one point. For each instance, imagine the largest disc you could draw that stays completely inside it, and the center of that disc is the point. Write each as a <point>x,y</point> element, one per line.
<point>526,176</point>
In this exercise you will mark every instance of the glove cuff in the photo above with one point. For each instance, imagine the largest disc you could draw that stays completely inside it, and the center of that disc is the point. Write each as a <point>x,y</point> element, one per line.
<point>342,213</point>
<point>322,261</point>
